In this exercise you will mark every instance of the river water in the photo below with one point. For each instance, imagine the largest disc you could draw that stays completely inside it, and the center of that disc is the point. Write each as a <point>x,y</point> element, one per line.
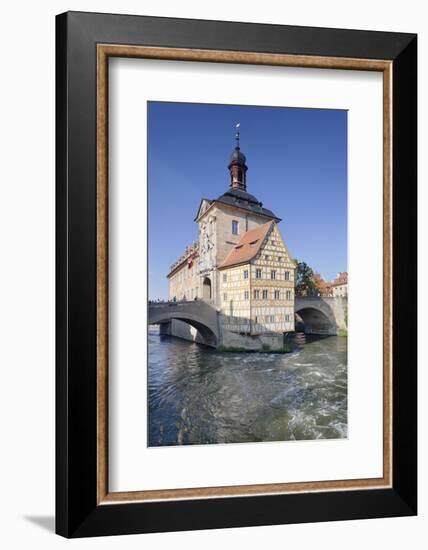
<point>198,395</point>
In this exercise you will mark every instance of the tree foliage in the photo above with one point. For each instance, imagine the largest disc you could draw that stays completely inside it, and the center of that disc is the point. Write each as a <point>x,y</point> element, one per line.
<point>322,288</point>
<point>305,284</point>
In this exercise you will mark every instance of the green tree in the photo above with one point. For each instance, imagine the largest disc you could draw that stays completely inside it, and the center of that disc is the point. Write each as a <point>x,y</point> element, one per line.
<point>305,284</point>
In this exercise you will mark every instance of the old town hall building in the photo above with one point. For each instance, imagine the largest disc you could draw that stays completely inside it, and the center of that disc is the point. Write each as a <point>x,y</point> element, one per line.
<point>240,263</point>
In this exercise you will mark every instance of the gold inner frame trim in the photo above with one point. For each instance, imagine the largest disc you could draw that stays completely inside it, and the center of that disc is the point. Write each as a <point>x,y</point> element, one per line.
<point>104,51</point>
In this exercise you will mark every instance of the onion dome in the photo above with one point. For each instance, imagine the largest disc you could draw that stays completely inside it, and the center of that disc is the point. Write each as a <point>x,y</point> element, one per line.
<point>238,167</point>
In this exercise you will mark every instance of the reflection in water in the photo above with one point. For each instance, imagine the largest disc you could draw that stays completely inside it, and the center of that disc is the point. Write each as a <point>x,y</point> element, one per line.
<point>198,395</point>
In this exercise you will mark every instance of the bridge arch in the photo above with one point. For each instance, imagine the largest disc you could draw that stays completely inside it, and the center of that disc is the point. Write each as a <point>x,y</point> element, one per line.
<point>196,314</point>
<point>314,316</point>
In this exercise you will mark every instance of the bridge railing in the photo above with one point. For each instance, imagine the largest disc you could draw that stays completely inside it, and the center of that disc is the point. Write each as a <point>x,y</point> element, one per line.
<point>172,303</point>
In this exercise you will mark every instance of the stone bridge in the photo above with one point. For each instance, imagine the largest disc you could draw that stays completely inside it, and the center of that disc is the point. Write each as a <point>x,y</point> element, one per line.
<point>194,320</point>
<point>200,322</point>
<point>318,315</point>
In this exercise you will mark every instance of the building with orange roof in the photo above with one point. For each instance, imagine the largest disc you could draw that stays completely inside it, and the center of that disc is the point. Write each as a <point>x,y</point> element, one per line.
<point>339,287</point>
<point>240,262</point>
<point>257,283</point>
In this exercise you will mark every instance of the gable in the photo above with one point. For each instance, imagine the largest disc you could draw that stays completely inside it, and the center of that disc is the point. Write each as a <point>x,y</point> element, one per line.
<point>274,246</point>
<point>203,207</point>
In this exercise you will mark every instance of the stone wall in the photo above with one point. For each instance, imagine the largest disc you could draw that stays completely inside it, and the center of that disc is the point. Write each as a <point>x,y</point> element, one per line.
<point>261,342</point>
<point>228,339</point>
<point>339,307</point>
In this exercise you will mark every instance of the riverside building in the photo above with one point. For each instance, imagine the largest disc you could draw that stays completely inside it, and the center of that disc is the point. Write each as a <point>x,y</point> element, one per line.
<point>240,263</point>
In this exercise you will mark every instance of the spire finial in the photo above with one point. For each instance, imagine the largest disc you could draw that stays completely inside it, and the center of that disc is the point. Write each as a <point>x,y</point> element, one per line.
<point>237,135</point>
<point>237,165</point>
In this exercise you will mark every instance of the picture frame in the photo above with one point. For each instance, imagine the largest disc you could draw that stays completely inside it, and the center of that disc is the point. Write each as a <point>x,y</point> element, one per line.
<point>84,44</point>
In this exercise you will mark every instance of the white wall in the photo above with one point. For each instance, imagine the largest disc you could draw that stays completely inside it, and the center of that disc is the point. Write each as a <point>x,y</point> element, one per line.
<point>27,271</point>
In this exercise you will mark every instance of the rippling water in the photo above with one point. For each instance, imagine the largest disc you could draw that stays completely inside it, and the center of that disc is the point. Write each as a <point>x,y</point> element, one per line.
<point>198,395</point>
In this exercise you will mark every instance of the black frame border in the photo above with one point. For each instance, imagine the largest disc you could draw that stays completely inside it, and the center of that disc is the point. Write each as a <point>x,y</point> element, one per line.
<point>77,512</point>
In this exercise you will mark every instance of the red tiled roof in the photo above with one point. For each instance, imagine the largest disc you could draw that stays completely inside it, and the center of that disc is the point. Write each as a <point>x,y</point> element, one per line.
<point>248,246</point>
<point>341,279</point>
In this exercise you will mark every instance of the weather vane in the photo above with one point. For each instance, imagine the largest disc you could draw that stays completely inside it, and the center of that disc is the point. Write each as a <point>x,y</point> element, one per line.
<point>237,134</point>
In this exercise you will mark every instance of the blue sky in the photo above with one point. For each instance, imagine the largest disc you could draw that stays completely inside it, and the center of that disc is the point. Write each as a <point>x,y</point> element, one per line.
<point>297,166</point>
